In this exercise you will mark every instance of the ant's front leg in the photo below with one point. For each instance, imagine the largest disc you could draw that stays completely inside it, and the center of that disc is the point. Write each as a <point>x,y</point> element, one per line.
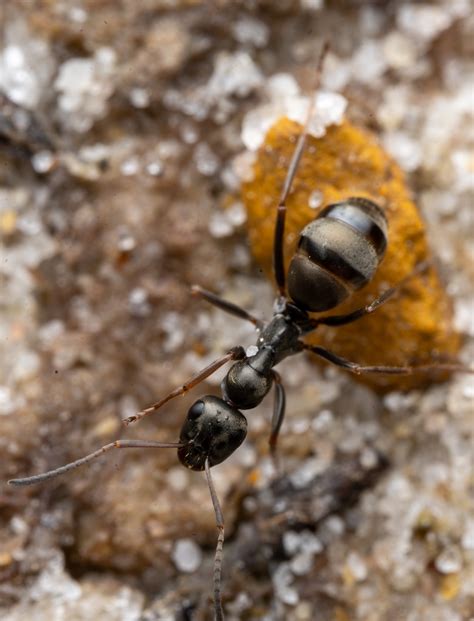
<point>236,353</point>
<point>278,239</point>
<point>227,307</point>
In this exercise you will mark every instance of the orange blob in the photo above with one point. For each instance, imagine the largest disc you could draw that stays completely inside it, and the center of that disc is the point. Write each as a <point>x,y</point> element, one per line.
<point>412,328</point>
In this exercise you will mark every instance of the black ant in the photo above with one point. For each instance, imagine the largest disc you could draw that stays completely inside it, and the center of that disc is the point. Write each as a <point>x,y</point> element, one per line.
<point>338,253</point>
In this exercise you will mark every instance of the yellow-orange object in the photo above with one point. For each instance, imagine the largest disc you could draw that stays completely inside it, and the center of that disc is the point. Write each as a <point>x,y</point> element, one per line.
<point>412,328</point>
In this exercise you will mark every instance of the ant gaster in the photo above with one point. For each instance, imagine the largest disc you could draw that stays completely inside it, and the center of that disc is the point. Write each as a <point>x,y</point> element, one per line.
<point>338,253</point>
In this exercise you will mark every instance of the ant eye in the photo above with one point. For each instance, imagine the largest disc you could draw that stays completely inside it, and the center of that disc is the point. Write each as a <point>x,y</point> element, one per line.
<point>196,410</point>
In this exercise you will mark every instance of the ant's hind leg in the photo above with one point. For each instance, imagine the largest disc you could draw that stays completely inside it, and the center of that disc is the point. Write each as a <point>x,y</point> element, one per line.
<point>277,418</point>
<point>341,320</point>
<point>224,305</point>
<point>359,369</point>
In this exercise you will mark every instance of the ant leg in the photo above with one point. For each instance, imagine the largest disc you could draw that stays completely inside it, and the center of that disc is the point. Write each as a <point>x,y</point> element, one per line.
<point>358,369</point>
<point>278,252</point>
<point>224,305</point>
<point>277,418</point>
<point>236,353</point>
<point>341,320</point>
<point>51,474</point>
<point>219,613</point>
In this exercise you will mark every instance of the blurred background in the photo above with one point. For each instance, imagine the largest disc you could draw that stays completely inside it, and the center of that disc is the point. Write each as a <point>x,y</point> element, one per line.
<point>120,144</point>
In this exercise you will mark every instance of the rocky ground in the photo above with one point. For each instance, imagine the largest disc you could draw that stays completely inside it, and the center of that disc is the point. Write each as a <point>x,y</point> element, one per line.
<point>120,144</point>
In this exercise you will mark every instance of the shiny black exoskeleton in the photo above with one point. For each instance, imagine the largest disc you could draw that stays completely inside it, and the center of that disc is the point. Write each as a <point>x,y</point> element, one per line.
<point>213,429</point>
<point>338,252</point>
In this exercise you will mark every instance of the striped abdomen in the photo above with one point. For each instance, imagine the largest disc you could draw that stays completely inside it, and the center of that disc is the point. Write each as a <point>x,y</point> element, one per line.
<point>338,253</point>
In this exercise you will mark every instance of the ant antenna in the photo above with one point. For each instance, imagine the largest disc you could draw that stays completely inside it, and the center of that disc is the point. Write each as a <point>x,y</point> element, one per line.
<point>119,444</point>
<point>278,251</point>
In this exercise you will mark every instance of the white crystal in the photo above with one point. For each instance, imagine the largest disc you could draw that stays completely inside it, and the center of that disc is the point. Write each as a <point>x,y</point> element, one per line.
<point>312,5</point>
<point>281,86</point>
<point>303,475</point>
<point>463,163</point>
<point>329,109</point>
<point>84,86</point>
<point>423,21</point>
<point>291,542</point>
<point>43,161</point>
<point>282,579</point>
<point>138,303</point>
<point>337,73</point>
<point>95,153</point>
<point>323,421</point>
<point>77,14</point>
<point>219,225</point>
<point>7,402</point>
<point>315,199</point>
<point>335,525</point>
<point>251,31</point>
<point>368,458</point>
<point>468,536</point>
<point>18,525</point>
<point>26,365</point>
<point>139,97</point>
<point>186,555</point>
<point>130,166</point>
<point>126,242</point>
<point>256,124</point>
<point>177,478</point>
<point>251,350</point>
<point>302,563</point>
<point>357,566</point>
<point>236,214</point>
<point>26,65</point>
<point>449,561</point>
<point>234,74</point>
<point>399,50</point>
<point>171,324</point>
<point>206,160</point>
<point>50,331</point>
<point>368,63</point>
<point>406,151</point>
<point>128,405</point>
<point>155,168</point>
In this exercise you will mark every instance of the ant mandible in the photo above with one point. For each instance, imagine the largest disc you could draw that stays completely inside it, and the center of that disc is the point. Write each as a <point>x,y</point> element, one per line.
<point>338,253</point>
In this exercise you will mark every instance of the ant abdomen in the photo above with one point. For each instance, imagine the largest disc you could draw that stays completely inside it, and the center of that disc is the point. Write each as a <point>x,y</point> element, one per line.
<point>338,253</point>
<point>213,430</point>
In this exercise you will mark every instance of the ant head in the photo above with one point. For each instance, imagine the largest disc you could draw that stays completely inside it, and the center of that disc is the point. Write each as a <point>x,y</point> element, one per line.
<point>213,429</point>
